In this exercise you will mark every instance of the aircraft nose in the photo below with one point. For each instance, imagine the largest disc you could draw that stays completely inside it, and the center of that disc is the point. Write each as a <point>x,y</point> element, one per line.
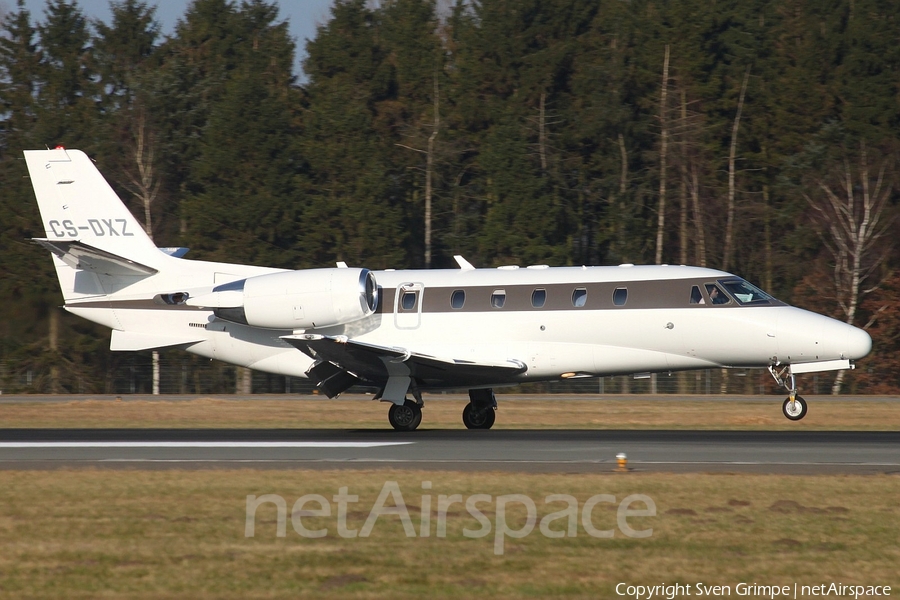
<point>859,343</point>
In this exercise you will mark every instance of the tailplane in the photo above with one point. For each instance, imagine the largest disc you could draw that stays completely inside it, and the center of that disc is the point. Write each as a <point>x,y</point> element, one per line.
<point>98,245</point>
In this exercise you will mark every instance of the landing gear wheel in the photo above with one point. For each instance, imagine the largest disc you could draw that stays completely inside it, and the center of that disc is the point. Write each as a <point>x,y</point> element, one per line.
<point>473,418</point>
<point>406,416</point>
<point>795,410</point>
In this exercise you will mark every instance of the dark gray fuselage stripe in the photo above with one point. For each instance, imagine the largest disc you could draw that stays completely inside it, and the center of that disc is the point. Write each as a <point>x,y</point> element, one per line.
<point>665,293</point>
<point>650,294</point>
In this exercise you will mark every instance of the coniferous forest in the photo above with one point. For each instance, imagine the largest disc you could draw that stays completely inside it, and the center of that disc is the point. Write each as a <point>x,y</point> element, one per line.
<point>759,137</point>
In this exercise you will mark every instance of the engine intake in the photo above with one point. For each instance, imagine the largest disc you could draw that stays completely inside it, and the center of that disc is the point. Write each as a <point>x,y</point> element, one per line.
<point>302,299</point>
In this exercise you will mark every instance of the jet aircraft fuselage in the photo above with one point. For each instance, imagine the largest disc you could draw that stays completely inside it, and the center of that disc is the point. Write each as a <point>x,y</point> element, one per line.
<point>401,332</point>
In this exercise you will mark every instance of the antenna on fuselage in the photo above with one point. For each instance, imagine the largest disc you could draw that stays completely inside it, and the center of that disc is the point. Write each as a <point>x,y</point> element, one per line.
<point>463,263</point>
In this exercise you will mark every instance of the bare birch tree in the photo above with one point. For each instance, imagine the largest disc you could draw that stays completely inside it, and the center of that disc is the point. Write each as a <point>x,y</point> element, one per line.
<point>429,171</point>
<point>429,153</point>
<point>729,220</point>
<point>698,215</point>
<point>144,183</point>
<point>664,139</point>
<point>853,224</point>
<point>682,183</point>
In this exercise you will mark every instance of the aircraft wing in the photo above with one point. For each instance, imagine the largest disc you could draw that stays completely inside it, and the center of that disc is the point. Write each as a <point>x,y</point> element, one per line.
<point>342,362</point>
<point>79,255</point>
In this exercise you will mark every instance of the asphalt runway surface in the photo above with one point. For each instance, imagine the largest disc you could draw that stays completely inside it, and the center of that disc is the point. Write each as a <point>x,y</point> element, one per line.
<point>565,451</point>
<point>502,398</point>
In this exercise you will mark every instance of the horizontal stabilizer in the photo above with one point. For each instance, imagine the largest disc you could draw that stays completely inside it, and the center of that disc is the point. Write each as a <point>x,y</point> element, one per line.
<point>175,252</point>
<point>369,362</point>
<point>132,341</point>
<point>82,256</point>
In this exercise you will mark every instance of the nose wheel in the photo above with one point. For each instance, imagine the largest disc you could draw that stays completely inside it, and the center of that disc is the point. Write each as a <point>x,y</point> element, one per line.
<point>794,409</point>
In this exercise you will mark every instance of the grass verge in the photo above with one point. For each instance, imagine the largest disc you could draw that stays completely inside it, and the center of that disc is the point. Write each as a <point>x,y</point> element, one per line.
<point>444,412</point>
<point>166,534</point>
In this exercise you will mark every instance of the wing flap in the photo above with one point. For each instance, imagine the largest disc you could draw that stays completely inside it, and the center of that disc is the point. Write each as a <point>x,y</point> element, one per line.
<point>375,364</point>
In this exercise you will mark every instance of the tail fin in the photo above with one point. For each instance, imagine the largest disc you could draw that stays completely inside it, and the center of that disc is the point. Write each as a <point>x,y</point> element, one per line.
<point>87,226</point>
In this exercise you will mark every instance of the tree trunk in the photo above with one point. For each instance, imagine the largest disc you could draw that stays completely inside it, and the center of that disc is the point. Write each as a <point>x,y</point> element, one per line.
<point>767,232</point>
<point>729,223</point>
<point>144,185</point>
<point>683,225</point>
<point>623,186</point>
<point>664,138</point>
<point>243,381</point>
<point>429,172</point>
<point>54,350</point>
<point>698,216</point>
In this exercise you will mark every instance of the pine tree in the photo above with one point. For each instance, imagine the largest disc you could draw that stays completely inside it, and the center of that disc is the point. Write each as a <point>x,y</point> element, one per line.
<point>356,196</point>
<point>244,203</point>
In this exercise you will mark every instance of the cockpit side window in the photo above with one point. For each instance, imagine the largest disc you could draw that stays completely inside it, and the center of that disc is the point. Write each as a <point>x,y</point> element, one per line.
<point>716,295</point>
<point>696,296</point>
<point>746,293</point>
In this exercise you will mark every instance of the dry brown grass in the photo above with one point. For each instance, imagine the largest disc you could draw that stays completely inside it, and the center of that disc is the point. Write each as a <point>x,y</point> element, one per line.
<point>168,534</point>
<point>443,412</point>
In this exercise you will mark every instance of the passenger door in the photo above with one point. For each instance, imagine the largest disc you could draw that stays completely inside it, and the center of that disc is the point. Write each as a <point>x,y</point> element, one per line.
<point>408,305</point>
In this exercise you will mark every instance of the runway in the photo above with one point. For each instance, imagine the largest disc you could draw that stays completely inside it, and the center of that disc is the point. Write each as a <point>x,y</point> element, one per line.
<point>568,451</point>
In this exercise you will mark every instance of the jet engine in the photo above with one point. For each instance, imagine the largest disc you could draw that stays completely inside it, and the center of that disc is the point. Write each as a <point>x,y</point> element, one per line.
<point>295,299</point>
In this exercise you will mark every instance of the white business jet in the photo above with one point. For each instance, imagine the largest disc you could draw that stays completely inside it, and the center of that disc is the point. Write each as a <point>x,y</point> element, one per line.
<point>405,332</point>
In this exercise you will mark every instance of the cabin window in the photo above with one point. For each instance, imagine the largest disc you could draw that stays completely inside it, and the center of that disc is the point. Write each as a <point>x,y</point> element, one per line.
<point>498,298</point>
<point>538,298</point>
<point>696,296</point>
<point>408,300</point>
<point>620,296</point>
<point>458,299</point>
<point>716,295</point>
<point>579,297</point>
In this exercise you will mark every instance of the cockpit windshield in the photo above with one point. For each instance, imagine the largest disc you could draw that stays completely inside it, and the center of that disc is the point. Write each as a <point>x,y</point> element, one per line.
<point>745,293</point>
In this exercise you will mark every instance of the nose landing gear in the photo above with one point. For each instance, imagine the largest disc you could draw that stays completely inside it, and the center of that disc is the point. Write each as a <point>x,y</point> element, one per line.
<point>794,407</point>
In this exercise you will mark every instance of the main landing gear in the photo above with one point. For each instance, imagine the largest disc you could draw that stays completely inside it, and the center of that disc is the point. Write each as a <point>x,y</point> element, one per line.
<point>794,407</point>
<point>406,416</point>
<point>479,412</point>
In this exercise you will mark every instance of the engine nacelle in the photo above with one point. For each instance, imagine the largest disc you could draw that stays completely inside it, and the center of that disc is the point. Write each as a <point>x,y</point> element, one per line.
<point>296,299</point>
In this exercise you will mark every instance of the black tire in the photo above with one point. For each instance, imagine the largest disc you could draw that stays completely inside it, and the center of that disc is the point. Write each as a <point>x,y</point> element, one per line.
<point>478,419</point>
<point>799,409</point>
<point>406,416</point>
<point>418,411</point>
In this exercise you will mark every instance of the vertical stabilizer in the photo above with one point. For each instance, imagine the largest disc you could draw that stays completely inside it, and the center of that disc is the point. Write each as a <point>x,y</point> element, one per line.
<point>80,211</point>
<point>77,203</point>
